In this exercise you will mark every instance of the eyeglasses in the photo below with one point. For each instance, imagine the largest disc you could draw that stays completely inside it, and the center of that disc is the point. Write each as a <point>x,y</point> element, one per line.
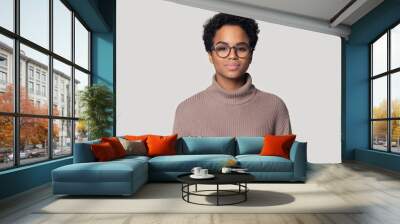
<point>223,50</point>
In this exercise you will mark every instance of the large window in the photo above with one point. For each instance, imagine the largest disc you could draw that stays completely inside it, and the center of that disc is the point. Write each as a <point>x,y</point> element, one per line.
<point>385,91</point>
<point>44,64</point>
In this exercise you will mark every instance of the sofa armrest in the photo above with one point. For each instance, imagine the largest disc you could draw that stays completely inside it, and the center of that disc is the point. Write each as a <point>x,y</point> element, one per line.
<point>83,152</point>
<point>298,155</point>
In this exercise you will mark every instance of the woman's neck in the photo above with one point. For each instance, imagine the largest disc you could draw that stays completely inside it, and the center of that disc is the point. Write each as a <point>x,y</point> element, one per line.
<point>230,84</point>
<point>240,95</point>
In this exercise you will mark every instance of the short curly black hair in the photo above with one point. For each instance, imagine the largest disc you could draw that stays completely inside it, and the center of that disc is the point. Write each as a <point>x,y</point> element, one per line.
<point>250,26</point>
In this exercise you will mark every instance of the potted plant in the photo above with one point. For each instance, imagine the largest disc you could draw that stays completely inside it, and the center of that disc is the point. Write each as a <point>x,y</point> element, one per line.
<point>96,102</point>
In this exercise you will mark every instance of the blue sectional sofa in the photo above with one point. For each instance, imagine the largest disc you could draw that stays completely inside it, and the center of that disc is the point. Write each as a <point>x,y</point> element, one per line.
<point>125,176</point>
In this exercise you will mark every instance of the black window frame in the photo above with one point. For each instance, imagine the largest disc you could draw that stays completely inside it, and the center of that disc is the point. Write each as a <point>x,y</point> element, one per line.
<point>388,74</point>
<point>16,115</point>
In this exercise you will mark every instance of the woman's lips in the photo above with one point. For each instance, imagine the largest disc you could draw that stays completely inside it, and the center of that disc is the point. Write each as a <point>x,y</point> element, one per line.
<point>232,66</point>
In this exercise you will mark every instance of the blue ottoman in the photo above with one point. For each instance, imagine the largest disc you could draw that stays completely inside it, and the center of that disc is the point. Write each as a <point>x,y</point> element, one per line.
<point>118,177</point>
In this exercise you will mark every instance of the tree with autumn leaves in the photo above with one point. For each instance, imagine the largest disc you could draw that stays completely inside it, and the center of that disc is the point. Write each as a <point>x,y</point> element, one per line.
<point>33,131</point>
<point>379,127</point>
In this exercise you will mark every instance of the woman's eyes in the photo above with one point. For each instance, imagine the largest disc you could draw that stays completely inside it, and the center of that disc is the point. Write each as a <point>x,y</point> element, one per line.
<point>226,48</point>
<point>222,48</point>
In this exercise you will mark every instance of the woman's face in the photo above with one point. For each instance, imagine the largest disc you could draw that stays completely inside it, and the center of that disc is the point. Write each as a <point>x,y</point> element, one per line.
<point>232,66</point>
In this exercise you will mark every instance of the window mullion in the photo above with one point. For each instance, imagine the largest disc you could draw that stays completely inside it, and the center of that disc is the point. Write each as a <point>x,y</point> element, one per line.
<point>370,98</point>
<point>389,106</point>
<point>50,87</point>
<point>73,82</point>
<point>16,84</point>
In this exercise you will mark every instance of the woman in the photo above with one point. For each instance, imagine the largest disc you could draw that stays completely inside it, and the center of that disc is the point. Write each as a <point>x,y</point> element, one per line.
<point>231,105</point>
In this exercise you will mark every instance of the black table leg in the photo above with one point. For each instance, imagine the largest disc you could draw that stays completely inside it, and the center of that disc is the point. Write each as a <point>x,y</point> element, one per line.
<point>182,189</point>
<point>217,194</point>
<point>185,188</point>
<point>188,190</point>
<point>245,193</point>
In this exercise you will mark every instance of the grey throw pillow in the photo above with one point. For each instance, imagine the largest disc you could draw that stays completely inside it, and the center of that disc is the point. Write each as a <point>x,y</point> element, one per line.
<point>134,147</point>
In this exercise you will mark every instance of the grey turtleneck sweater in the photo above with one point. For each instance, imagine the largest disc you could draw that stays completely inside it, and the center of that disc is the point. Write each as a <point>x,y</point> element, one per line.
<point>246,111</point>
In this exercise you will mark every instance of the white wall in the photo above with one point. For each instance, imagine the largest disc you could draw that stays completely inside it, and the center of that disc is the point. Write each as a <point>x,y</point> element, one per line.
<point>161,61</point>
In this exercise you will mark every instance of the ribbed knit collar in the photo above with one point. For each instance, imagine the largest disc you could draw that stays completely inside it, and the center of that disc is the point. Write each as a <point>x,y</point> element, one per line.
<point>238,96</point>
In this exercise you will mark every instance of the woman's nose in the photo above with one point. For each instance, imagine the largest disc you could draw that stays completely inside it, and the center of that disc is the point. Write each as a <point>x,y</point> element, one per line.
<point>232,53</point>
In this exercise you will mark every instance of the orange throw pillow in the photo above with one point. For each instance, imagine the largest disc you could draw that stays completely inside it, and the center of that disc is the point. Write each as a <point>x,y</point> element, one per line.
<point>277,145</point>
<point>116,145</point>
<point>136,137</point>
<point>161,145</point>
<point>103,151</point>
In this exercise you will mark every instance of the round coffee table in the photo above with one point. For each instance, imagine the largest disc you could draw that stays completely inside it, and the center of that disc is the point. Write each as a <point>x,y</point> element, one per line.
<point>238,179</point>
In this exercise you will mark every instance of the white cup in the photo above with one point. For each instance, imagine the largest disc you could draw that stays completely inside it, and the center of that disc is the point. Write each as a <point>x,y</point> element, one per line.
<point>203,172</point>
<point>226,170</point>
<point>196,170</point>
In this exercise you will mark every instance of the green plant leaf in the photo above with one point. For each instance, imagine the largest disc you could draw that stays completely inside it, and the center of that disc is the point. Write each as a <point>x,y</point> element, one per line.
<point>96,102</point>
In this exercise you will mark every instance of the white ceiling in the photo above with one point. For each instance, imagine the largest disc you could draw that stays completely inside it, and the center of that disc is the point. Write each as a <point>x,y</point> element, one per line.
<point>314,15</point>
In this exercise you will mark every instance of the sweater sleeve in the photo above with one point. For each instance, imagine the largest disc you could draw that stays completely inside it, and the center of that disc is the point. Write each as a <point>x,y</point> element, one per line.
<point>178,125</point>
<point>282,121</point>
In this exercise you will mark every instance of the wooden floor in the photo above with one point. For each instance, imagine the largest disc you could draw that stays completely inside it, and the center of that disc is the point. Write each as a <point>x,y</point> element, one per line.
<point>377,188</point>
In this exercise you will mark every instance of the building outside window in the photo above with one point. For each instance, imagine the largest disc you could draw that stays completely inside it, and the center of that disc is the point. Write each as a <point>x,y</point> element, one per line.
<point>43,77</point>
<point>3,72</point>
<point>30,72</point>
<point>30,87</point>
<point>43,90</point>
<point>3,78</point>
<point>38,89</point>
<point>3,61</point>
<point>55,96</point>
<point>37,75</point>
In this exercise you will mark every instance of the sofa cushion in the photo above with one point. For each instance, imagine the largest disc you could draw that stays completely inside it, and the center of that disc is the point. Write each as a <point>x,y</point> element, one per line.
<point>103,151</point>
<point>136,137</point>
<point>134,147</point>
<point>131,158</point>
<point>249,145</point>
<point>206,145</point>
<point>159,145</point>
<point>111,171</point>
<point>83,152</point>
<point>116,145</point>
<point>257,163</point>
<point>277,145</point>
<point>185,163</point>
